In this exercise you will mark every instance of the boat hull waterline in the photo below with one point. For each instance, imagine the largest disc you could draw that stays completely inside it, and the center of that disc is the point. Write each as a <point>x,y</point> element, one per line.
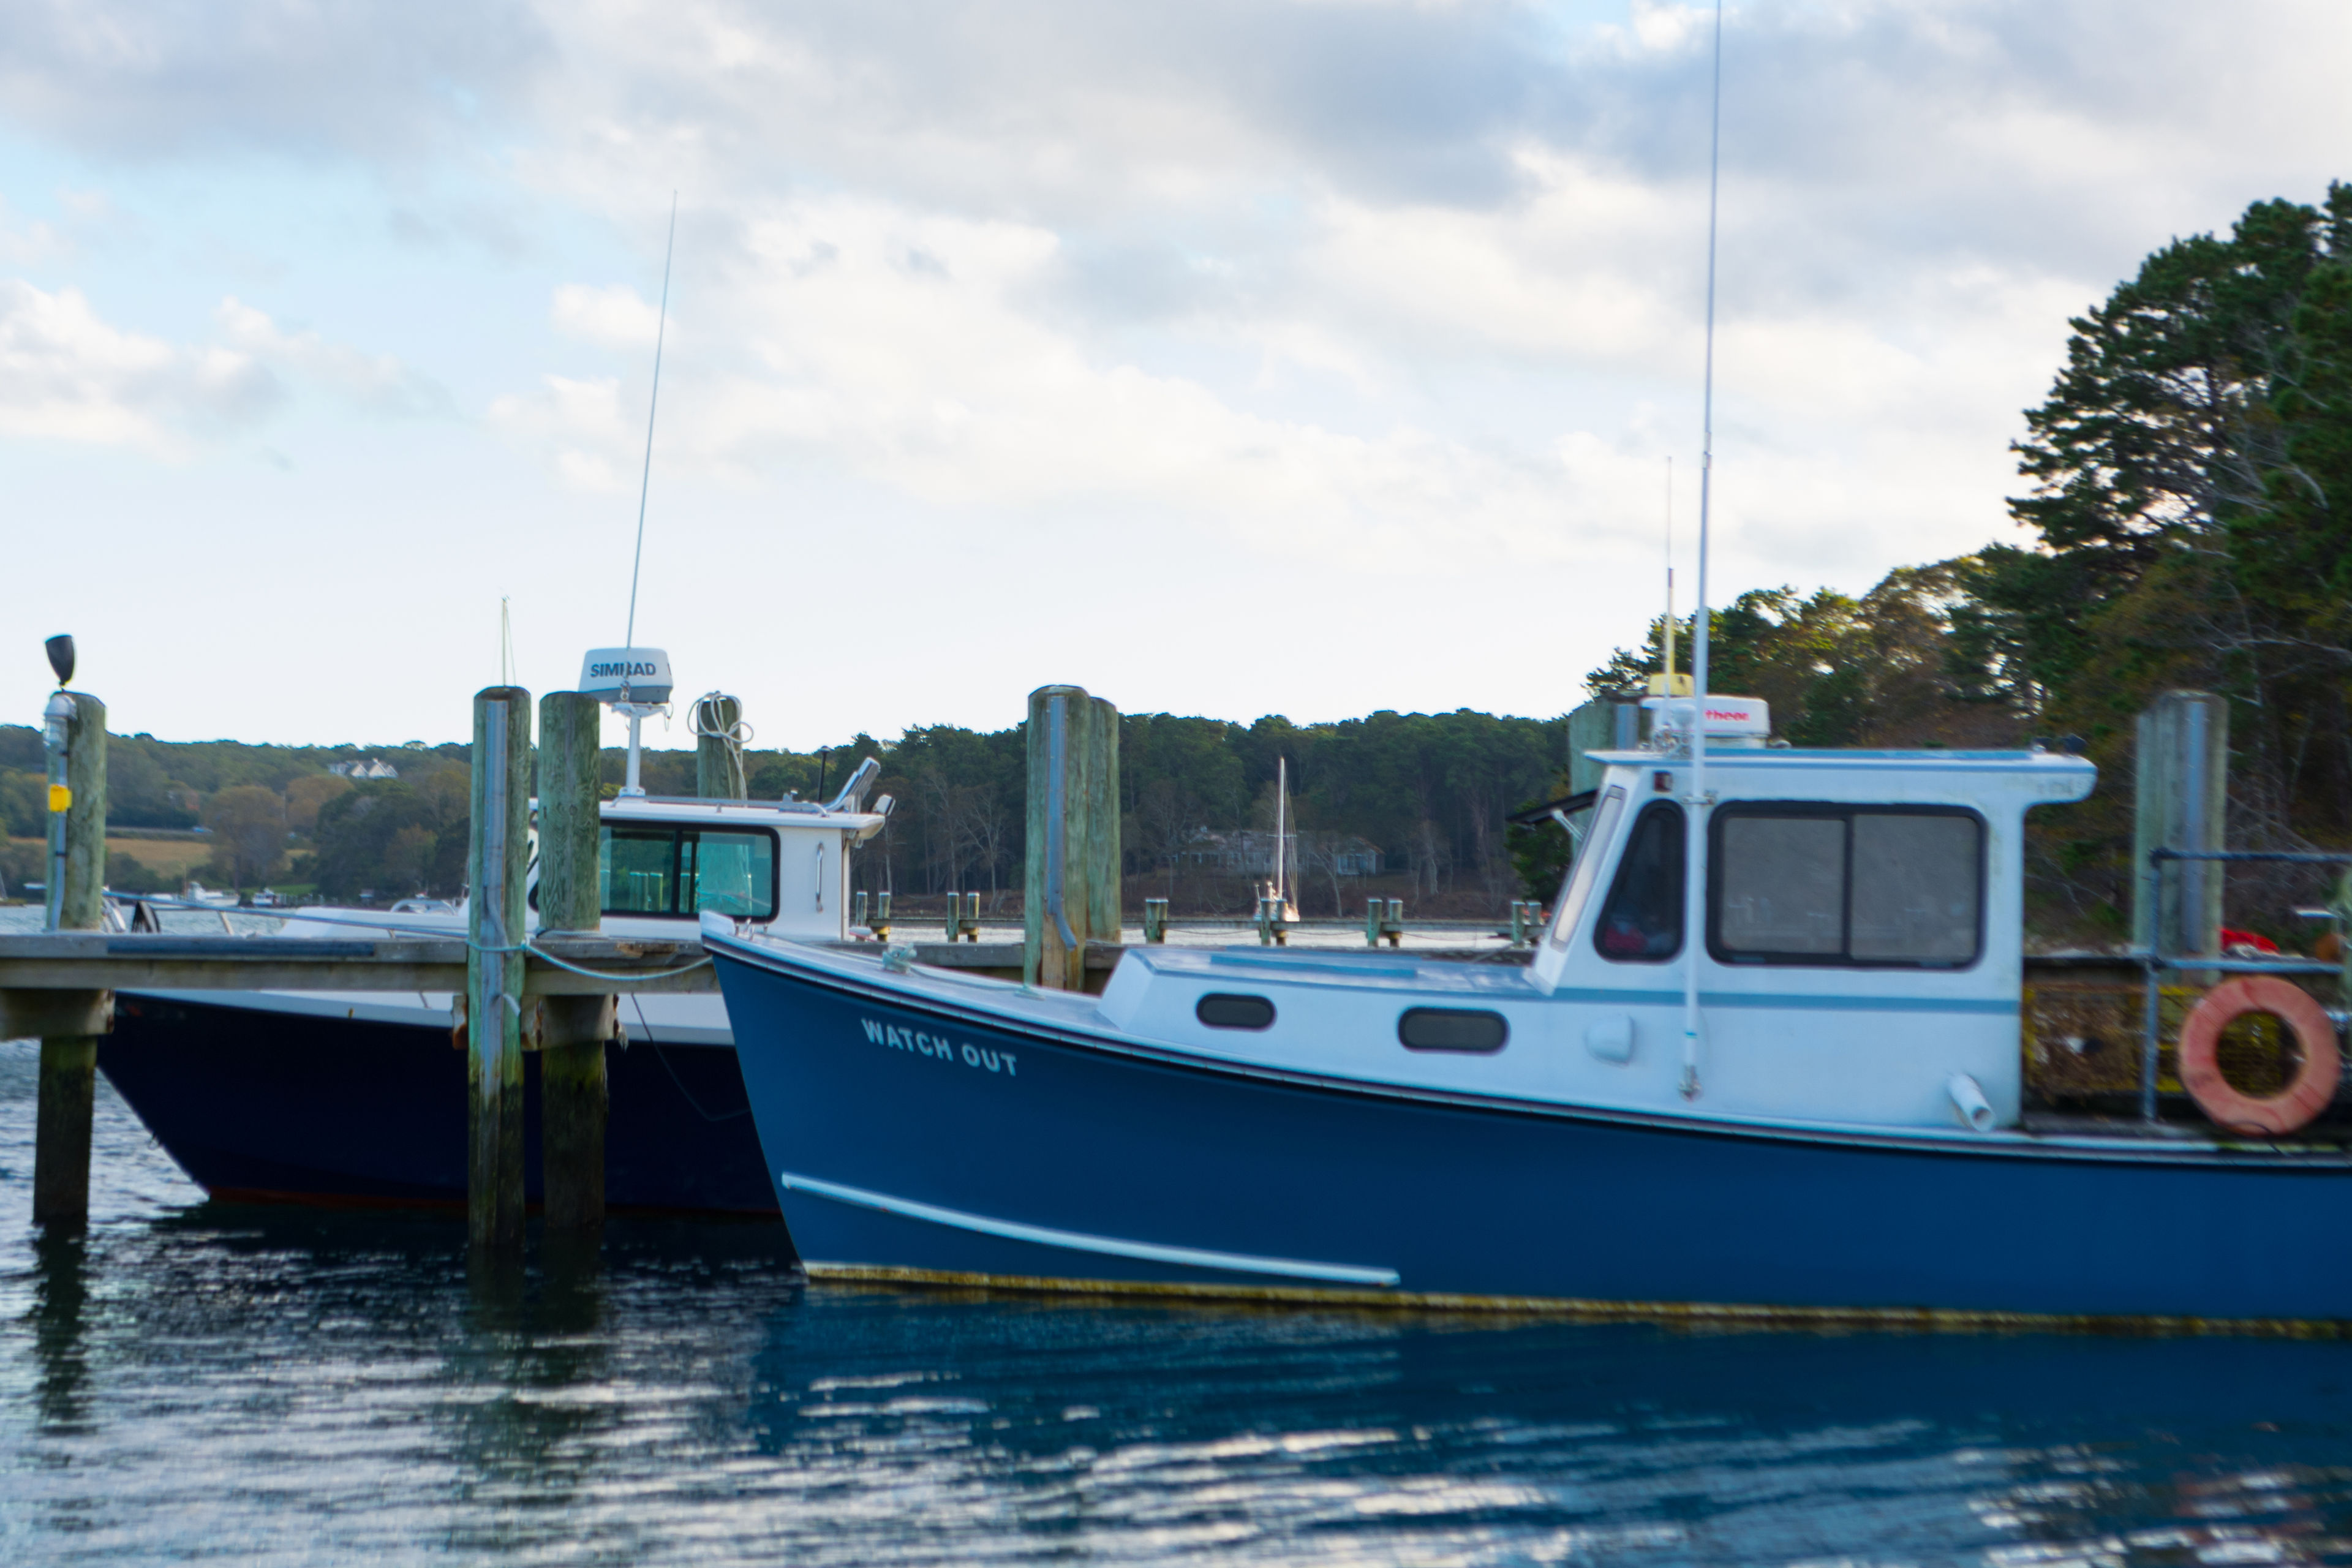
<point>914,1138</point>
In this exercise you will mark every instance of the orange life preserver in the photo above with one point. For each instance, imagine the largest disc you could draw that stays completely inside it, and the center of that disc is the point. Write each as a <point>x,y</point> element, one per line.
<point>2299,1101</point>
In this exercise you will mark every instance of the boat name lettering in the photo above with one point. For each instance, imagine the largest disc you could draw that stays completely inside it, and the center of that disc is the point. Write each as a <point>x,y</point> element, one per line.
<point>938,1047</point>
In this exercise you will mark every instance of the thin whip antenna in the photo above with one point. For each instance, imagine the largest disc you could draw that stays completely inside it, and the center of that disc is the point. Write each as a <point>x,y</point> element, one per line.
<point>645,484</point>
<point>1695,855</point>
<point>1670,578</point>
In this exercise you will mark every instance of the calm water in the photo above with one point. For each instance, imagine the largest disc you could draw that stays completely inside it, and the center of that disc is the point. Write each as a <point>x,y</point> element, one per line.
<point>196,1381</point>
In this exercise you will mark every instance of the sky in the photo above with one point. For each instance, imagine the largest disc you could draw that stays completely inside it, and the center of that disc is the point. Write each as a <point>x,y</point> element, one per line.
<point>1293,356</point>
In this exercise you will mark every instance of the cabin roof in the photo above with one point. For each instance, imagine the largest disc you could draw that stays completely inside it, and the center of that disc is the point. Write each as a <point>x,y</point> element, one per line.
<point>1791,758</point>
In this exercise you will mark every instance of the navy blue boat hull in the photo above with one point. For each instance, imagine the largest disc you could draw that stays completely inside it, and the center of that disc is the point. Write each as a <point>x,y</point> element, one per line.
<point>259,1104</point>
<point>889,1109</point>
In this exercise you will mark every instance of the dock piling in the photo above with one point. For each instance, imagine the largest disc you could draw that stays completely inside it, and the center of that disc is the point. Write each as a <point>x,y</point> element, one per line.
<point>75,735</point>
<point>718,748</point>
<point>1073,883</point>
<point>2182,761</point>
<point>496,861</point>
<point>574,1100</point>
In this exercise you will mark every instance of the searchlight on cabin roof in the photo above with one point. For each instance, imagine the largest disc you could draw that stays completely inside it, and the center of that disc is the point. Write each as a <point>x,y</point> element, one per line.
<point>1726,721</point>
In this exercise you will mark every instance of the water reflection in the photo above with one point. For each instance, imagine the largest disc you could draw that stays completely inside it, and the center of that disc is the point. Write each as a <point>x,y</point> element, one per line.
<point>60,1296</point>
<point>190,1379</point>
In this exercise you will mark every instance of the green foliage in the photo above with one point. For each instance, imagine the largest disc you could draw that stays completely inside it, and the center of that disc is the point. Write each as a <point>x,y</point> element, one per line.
<point>393,838</point>
<point>1880,670</point>
<point>23,804</point>
<point>126,873</point>
<point>2190,466</point>
<point>249,828</point>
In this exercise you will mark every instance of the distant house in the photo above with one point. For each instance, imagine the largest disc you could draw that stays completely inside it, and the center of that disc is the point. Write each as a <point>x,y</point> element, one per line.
<point>1250,852</point>
<point>364,768</point>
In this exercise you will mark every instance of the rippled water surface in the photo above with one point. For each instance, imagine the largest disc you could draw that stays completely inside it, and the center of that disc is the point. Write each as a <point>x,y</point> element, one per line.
<point>198,1382</point>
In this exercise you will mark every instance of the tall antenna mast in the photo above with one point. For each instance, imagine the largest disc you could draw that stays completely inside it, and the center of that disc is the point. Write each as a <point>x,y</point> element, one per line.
<point>645,484</point>
<point>1695,808</point>
<point>1669,665</point>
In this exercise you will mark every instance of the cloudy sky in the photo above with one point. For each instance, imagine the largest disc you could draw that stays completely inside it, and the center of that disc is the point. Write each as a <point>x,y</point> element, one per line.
<point>1301,356</point>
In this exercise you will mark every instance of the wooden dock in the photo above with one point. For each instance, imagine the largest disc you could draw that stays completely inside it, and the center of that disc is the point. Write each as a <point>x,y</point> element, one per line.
<point>103,961</point>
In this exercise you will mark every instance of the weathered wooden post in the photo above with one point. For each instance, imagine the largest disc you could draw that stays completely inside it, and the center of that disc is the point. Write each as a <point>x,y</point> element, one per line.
<point>496,860</point>
<point>69,1022</point>
<point>574,1097</point>
<point>718,757</point>
<point>1073,883</point>
<point>2183,774</point>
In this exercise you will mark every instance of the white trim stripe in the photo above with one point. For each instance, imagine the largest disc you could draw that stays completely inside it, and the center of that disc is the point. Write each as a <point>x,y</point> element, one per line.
<point>1112,1246</point>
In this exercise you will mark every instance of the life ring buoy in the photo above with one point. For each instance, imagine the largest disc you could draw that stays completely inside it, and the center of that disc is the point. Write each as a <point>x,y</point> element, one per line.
<point>2200,1071</point>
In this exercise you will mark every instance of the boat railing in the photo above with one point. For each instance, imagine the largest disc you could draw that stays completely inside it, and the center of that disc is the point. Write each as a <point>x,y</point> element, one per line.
<point>2155,962</point>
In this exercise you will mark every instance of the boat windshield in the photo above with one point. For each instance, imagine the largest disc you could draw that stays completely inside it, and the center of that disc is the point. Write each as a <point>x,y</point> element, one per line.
<point>1587,865</point>
<point>661,870</point>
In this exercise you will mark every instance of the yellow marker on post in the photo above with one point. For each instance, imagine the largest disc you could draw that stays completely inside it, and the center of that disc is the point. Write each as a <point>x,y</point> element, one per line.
<point>60,798</point>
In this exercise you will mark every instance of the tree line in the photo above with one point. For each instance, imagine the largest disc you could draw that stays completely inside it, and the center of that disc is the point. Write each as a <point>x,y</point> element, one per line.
<point>1426,793</point>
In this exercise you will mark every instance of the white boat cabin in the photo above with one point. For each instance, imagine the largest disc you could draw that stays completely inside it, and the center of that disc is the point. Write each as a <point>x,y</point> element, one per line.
<point>1860,954</point>
<point>775,867</point>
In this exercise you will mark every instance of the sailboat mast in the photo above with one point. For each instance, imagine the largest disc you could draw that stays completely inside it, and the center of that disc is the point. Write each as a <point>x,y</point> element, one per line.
<point>1282,829</point>
<point>1695,809</point>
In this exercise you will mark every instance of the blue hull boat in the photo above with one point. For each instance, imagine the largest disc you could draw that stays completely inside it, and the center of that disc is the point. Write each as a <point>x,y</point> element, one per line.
<point>1844,1136</point>
<point>918,1134</point>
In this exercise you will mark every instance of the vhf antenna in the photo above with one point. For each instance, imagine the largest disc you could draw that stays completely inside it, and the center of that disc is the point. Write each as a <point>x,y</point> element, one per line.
<point>1696,810</point>
<point>645,485</point>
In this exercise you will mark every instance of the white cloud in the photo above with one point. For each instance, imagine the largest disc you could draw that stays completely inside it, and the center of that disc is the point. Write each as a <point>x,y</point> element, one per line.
<point>1383,293</point>
<point>375,383</point>
<point>68,376</point>
<point>617,315</point>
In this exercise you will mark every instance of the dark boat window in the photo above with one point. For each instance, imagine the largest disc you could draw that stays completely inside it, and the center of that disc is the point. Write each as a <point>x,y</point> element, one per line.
<point>1230,1010</point>
<point>1642,920</point>
<point>1451,1029</point>
<point>684,871</point>
<point>1800,883</point>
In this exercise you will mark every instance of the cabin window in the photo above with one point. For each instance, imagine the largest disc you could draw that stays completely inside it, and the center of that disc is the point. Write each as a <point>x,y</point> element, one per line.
<point>1795,882</point>
<point>1234,1010</point>
<point>1642,920</point>
<point>1591,849</point>
<point>684,871</point>
<point>1451,1029</point>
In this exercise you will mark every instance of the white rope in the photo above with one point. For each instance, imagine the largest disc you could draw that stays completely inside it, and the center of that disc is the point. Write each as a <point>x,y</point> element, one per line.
<point>702,719</point>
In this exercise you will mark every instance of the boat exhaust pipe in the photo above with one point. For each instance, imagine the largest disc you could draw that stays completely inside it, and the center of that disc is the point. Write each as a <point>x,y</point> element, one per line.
<point>1969,1103</point>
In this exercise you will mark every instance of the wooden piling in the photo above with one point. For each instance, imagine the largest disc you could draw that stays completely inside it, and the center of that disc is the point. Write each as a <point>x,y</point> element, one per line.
<point>718,766</point>
<point>2183,797</point>
<point>574,1097</point>
<point>496,860</point>
<point>1073,883</point>
<point>68,1078</point>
